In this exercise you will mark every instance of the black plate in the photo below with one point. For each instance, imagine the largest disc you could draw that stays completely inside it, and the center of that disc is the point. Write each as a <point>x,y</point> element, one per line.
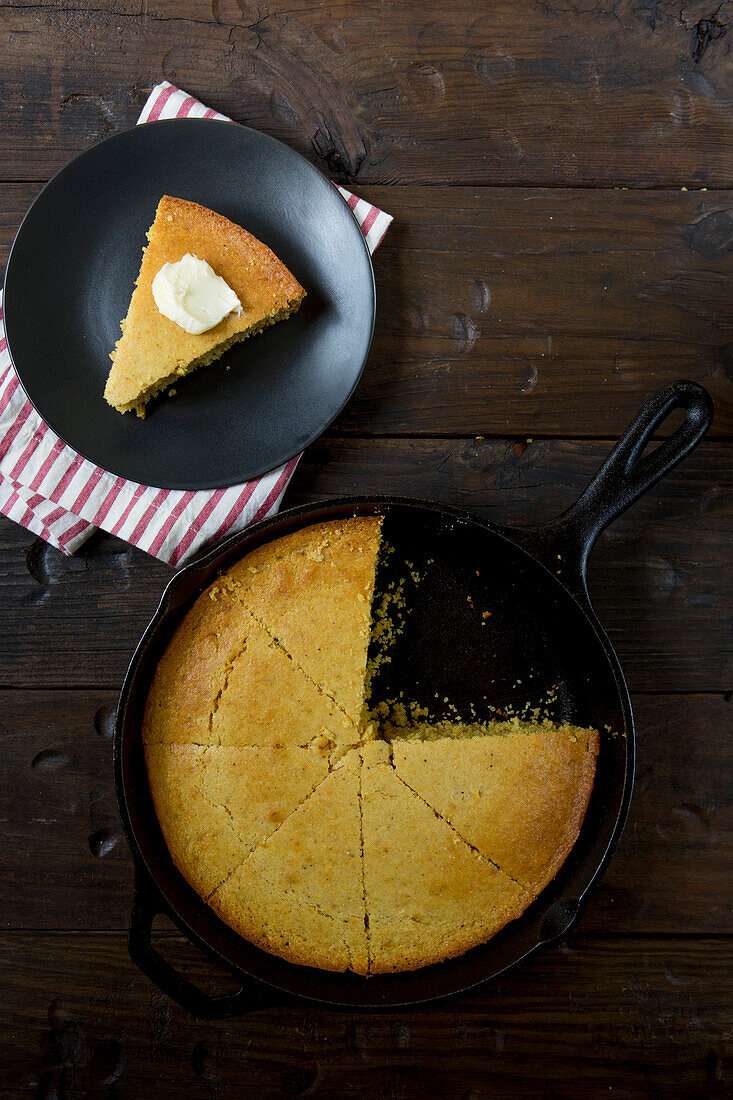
<point>70,276</point>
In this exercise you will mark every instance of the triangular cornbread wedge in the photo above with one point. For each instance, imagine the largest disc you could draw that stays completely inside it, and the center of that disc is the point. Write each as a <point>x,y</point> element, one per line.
<point>154,351</point>
<point>313,592</point>
<point>223,680</point>
<point>300,894</point>
<point>518,797</point>
<point>215,805</point>
<point>429,895</point>
<point>268,700</point>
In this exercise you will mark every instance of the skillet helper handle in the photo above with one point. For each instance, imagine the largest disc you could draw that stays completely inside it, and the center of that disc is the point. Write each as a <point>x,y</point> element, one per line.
<point>625,475</point>
<point>146,904</point>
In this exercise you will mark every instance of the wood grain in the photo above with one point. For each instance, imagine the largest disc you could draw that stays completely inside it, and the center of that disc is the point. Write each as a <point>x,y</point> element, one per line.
<point>529,310</point>
<point>64,862</point>
<point>525,296</point>
<point>659,577</point>
<point>551,92</point>
<point>86,1023</point>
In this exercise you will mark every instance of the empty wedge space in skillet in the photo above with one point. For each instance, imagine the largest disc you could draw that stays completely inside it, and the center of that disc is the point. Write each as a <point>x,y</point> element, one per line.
<point>154,351</point>
<point>215,805</point>
<point>300,894</point>
<point>223,680</point>
<point>312,591</point>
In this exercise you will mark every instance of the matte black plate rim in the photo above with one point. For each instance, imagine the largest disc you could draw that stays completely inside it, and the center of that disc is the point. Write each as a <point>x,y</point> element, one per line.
<point>287,454</point>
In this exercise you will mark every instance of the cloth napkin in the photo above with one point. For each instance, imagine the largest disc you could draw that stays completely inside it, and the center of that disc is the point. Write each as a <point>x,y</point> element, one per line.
<point>54,492</point>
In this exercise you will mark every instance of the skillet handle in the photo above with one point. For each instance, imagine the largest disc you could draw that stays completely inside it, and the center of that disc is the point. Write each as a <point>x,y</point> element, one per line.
<point>146,904</point>
<point>625,475</point>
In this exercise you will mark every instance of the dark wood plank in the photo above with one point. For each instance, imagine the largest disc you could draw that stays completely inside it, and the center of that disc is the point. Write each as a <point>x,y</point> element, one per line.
<point>635,1018</point>
<point>525,310</point>
<point>509,311</point>
<point>57,796</point>
<point>64,863</point>
<point>80,616</point>
<point>680,825</point>
<point>659,577</point>
<point>568,93</point>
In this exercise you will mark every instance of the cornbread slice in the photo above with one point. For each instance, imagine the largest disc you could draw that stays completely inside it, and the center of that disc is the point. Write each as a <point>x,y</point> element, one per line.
<point>216,804</point>
<point>154,351</point>
<point>300,894</point>
<point>519,796</point>
<point>312,590</point>
<point>268,700</point>
<point>429,896</point>
<point>224,681</point>
<point>192,672</point>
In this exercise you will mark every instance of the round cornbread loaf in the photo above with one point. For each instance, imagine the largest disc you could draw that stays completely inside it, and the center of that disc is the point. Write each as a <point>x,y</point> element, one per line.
<point>308,833</point>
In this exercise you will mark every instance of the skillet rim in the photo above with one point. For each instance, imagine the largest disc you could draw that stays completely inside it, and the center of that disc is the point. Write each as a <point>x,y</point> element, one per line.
<point>590,871</point>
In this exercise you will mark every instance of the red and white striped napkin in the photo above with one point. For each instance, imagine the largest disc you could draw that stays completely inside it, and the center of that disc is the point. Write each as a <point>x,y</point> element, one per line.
<point>54,492</point>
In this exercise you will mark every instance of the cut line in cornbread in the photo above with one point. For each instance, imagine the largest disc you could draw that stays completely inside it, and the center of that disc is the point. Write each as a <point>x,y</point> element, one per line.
<point>300,894</point>
<point>215,805</point>
<point>325,833</point>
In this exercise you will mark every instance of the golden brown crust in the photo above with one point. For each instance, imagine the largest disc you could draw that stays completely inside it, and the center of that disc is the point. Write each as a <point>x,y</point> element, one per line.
<point>154,350</point>
<point>312,590</point>
<point>296,837</point>
<point>518,797</point>
<point>299,895</point>
<point>215,805</point>
<point>435,901</point>
<point>192,671</point>
<point>223,680</point>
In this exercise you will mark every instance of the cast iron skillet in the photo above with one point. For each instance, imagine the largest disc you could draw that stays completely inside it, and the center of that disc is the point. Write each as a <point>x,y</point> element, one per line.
<point>542,631</point>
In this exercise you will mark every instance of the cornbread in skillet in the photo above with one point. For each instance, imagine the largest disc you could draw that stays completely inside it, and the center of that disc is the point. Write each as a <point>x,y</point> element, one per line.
<point>225,680</point>
<point>300,894</point>
<point>314,594</point>
<point>268,698</point>
<point>319,833</point>
<point>434,901</point>
<point>519,797</point>
<point>215,805</point>
<point>192,672</point>
<point>154,351</point>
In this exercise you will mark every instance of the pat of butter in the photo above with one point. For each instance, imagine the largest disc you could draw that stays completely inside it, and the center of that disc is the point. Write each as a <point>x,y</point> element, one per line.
<point>190,293</point>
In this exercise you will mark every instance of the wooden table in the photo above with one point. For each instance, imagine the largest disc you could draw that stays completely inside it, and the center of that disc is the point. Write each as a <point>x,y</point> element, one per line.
<point>561,178</point>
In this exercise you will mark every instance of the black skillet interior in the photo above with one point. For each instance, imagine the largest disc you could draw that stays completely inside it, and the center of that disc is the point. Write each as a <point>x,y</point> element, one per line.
<point>539,645</point>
